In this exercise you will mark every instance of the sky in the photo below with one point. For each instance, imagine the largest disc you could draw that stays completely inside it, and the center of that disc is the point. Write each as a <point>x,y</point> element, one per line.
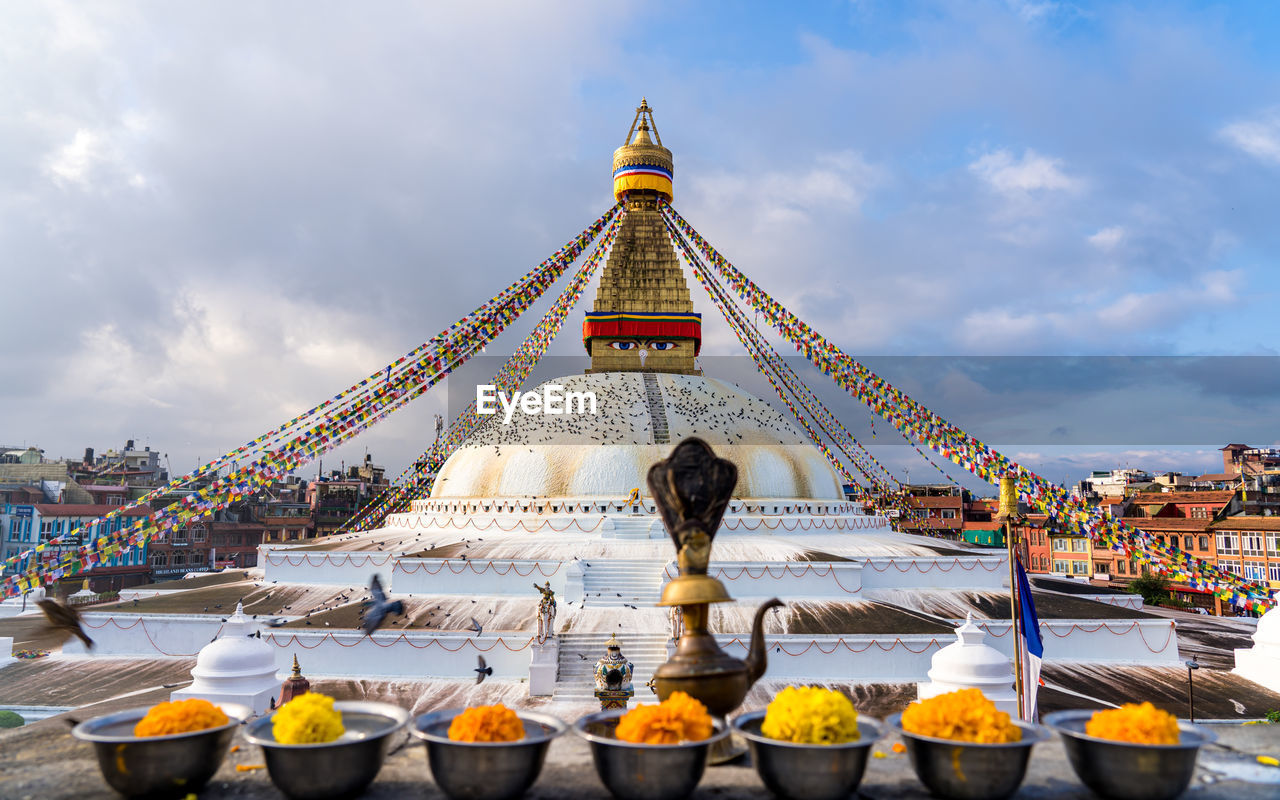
<point>1052,222</point>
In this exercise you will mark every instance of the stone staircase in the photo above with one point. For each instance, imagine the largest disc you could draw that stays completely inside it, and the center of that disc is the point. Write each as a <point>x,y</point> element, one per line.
<point>636,527</point>
<point>575,679</point>
<point>657,409</point>
<point>621,582</point>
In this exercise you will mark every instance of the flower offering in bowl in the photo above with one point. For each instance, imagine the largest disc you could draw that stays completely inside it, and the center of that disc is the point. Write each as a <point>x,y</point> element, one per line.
<point>963,748</point>
<point>316,748</point>
<point>168,750</point>
<point>1136,751</point>
<point>652,752</point>
<point>486,752</point>
<point>809,744</point>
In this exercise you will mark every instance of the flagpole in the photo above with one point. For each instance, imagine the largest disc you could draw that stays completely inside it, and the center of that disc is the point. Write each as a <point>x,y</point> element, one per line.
<point>1007,513</point>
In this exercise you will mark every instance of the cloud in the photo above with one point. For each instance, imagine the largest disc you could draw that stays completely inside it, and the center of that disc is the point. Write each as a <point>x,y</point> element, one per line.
<point>1259,137</point>
<point>1032,173</point>
<point>1107,239</point>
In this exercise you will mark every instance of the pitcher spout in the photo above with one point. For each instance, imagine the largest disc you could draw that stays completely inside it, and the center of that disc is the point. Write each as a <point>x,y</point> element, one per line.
<point>757,658</point>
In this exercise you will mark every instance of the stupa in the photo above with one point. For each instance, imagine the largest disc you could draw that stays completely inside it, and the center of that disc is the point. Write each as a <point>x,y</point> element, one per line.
<point>560,501</point>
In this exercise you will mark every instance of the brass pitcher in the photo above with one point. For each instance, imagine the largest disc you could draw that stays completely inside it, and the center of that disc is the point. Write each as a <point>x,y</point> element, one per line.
<point>692,488</point>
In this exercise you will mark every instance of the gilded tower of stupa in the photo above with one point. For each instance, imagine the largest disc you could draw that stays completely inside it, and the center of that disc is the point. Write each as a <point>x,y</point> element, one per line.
<point>643,319</point>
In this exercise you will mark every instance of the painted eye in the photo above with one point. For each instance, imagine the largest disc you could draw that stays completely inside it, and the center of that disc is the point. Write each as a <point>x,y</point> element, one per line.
<point>623,345</point>
<point>662,345</point>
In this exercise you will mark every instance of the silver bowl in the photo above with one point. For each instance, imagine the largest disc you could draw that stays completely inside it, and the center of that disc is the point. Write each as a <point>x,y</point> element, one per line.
<point>1129,771</point>
<point>966,770</point>
<point>486,770</point>
<point>337,769</point>
<point>808,771</point>
<point>158,767</point>
<point>645,771</point>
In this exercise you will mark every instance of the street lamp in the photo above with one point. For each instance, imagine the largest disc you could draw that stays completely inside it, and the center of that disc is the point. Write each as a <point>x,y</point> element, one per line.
<point>1191,697</point>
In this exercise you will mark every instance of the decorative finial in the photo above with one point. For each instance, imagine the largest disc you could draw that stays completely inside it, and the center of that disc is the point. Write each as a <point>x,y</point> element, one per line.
<point>297,670</point>
<point>640,165</point>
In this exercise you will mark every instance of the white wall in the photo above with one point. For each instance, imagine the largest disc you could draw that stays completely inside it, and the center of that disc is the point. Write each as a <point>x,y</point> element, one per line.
<point>487,577</point>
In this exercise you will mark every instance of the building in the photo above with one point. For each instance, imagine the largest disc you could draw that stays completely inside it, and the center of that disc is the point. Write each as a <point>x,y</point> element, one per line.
<point>1112,483</point>
<point>1241,459</point>
<point>77,524</point>
<point>1249,546</point>
<point>335,499</point>
<point>933,510</point>
<point>235,544</point>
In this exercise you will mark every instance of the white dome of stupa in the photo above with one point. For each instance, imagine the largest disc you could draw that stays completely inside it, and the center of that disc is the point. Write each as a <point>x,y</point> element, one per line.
<point>237,667</point>
<point>1261,663</point>
<point>639,418</point>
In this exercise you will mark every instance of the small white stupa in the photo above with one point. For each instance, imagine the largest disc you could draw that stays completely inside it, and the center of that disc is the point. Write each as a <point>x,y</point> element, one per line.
<point>85,594</point>
<point>237,667</point>
<point>968,663</point>
<point>1261,663</point>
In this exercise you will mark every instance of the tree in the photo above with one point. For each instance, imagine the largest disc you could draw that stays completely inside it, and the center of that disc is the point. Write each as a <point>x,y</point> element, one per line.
<point>10,719</point>
<point>1153,588</point>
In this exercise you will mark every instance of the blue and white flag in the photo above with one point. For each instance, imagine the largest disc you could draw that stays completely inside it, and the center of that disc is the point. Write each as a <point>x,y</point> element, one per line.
<point>1032,649</point>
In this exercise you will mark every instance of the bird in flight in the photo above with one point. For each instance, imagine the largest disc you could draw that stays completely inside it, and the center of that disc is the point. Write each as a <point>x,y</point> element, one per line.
<point>65,620</point>
<point>483,671</point>
<point>378,607</point>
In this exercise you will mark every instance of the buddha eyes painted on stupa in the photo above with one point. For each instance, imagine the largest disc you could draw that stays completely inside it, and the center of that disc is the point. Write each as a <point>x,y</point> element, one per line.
<point>624,344</point>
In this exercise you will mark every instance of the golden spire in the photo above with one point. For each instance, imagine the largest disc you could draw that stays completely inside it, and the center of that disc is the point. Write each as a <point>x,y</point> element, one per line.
<point>643,319</point>
<point>640,165</point>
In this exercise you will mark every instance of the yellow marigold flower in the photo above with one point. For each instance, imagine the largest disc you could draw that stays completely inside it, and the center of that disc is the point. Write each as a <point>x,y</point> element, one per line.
<point>965,716</point>
<point>307,719</point>
<point>679,718</point>
<point>1134,723</point>
<point>495,723</point>
<point>180,716</point>
<point>811,715</point>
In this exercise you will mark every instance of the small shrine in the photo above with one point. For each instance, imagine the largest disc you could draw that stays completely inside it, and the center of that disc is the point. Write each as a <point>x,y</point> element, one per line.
<point>236,667</point>
<point>613,677</point>
<point>294,685</point>
<point>969,662</point>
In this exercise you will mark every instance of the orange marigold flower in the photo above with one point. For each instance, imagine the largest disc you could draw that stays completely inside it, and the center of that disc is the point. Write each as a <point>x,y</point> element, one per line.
<point>679,718</point>
<point>965,716</point>
<point>1134,723</point>
<point>180,716</point>
<point>495,723</point>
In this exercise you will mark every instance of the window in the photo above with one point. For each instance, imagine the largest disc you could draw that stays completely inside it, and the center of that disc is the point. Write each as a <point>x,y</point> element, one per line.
<point>1251,544</point>
<point>1226,565</point>
<point>1273,544</point>
<point>1060,545</point>
<point>158,560</point>
<point>1079,546</point>
<point>1061,566</point>
<point>179,534</point>
<point>1255,570</point>
<point>1228,545</point>
<point>1273,571</point>
<point>179,560</point>
<point>1204,542</point>
<point>1188,542</point>
<point>948,513</point>
<point>1101,567</point>
<point>1079,567</point>
<point>1199,512</point>
<point>197,533</point>
<point>1120,567</point>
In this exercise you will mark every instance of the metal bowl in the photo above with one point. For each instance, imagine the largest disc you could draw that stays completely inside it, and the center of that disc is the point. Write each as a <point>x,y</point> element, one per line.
<point>158,767</point>
<point>486,770</point>
<point>337,769</point>
<point>808,771</point>
<point>966,770</point>
<point>1129,771</point>
<point>645,771</point>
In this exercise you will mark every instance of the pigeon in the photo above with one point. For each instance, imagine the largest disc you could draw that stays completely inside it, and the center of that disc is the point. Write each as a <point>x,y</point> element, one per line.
<point>65,619</point>
<point>476,626</point>
<point>483,671</point>
<point>378,607</point>
<point>584,658</point>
